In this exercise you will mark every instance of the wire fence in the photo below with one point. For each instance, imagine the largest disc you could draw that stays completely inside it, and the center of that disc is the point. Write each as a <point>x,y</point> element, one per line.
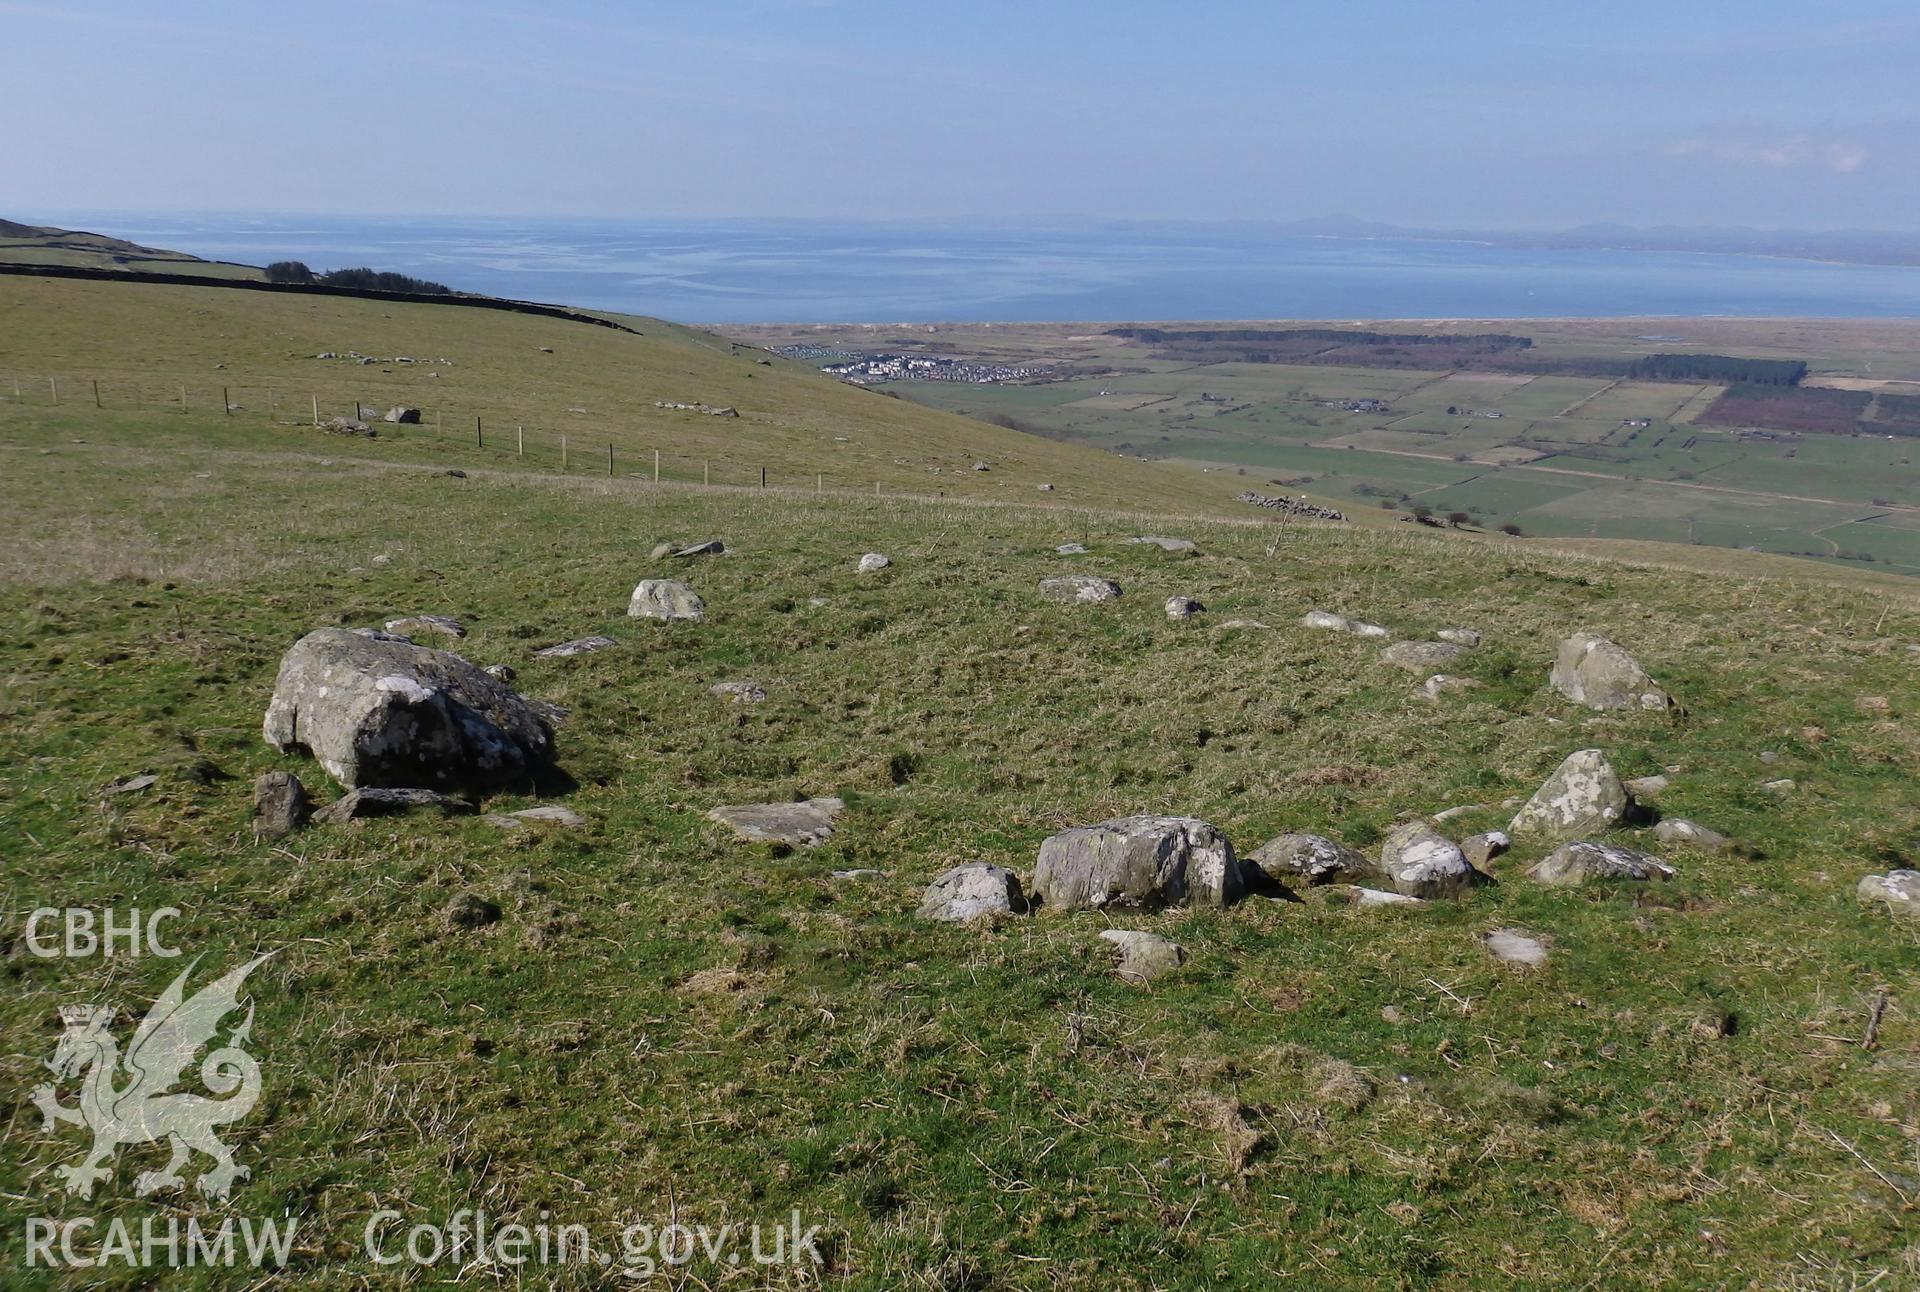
<point>580,447</point>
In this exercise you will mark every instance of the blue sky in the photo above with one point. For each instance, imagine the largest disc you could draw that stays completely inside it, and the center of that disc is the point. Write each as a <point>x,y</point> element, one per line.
<point>1479,113</point>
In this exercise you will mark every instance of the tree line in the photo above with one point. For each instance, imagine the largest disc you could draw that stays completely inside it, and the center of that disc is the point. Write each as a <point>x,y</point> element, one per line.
<point>1720,369</point>
<point>294,271</point>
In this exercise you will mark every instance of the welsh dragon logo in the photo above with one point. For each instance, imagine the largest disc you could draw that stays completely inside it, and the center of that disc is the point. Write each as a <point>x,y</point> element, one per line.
<point>130,1099</point>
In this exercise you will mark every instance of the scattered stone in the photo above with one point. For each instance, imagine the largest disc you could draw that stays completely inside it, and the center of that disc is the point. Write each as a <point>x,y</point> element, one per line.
<point>1141,957</point>
<point>1071,549</point>
<point>1183,607</point>
<point>739,692</point>
<point>1441,684</point>
<point>795,825</point>
<point>1421,862</point>
<point>419,625</point>
<point>500,672</point>
<point>379,711</point>
<point>457,475</point>
<point>1782,787</point>
<point>578,646</point>
<point>347,426</point>
<point>1515,947</point>
<point>1327,620</point>
<point>1769,757</point>
<point>1376,897</point>
<point>1046,488</point>
<point>1138,861</point>
<point>1676,831</point>
<point>1078,588</point>
<point>981,466</point>
<point>1468,637</point>
<point>1582,797</point>
<point>1421,657</point>
<point>280,805</point>
<point>1645,787</point>
<point>1448,814</point>
<point>708,409</point>
<point>873,561</point>
<point>667,600</point>
<point>385,558</point>
<point>972,892</point>
<point>1897,890</point>
<point>546,814</point>
<point>858,872</point>
<point>712,547</point>
<point>1600,674</point>
<point>1167,544</point>
<point>403,416</point>
<point>661,551</point>
<point>1292,506</point>
<point>1361,628</point>
<point>382,800</point>
<point>131,784</point>
<point>1480,849</point>
<point>1585,859</point>
<point>1243,623</point>
<point>1312,857</point>
<point>469,911</point>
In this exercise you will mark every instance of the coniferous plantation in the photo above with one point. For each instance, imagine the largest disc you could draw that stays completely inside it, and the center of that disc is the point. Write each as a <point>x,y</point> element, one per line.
<point>502,788</point>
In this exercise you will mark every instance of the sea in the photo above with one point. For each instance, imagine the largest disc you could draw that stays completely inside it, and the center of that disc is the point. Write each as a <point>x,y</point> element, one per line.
<point>775,271</point>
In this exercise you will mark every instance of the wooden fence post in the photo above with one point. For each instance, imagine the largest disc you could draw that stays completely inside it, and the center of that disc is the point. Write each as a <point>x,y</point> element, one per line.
<point>183,399</point>
<point>609,457</point>
<point>706,473</point>
<point>520,440</point>
<point>226,400</point>
<point>763,477</point>
<point>53,389</point>
<point>478,442</point>
<point>656,466</point>
<point>316,412</point>
<point>96,392</point>
<point>819,483</point>
<point>563,453</point>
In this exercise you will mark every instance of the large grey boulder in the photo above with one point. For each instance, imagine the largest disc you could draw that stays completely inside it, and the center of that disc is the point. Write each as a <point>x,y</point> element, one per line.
<point>1078,588</point>
<point>1897,890</point>
<point>1138,861</point>
<point>794,825</point>
<point>972,892</point>
<point>1422,657</point>
<point>1419,861</point>
<point>667,600</point>
<point>1599,673</point>
<point>1586,859</point>
<point>1582,797</point>
<point>1312,857</point>
<point>377,710</point>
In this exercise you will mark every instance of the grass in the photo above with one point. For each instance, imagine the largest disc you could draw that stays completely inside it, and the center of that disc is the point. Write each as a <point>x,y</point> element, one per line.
<point>1278,421</point>
<point>668,1023</point>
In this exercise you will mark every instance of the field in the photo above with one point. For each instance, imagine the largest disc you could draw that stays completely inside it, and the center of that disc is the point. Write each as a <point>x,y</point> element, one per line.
<point>1553,455</point>
<point>666,1022</point>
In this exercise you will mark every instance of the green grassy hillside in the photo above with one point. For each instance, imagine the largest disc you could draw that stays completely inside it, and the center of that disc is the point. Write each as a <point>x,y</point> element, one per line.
<point>666,1022</point>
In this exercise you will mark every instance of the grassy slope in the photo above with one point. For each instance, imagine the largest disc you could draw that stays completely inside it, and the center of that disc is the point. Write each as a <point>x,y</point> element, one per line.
<point>668,1020</point>
<point>145,342</point>
<point>22,244</point>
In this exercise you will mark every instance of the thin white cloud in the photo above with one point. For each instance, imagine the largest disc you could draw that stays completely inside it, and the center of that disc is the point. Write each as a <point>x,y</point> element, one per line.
<point>1839,154</point>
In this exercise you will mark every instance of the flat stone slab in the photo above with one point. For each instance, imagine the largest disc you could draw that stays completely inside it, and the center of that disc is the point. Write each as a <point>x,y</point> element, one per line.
<point>873,561</point>
<point>1141,957</point>
<point>1422,657</point>
<point>1079,588</point>
<point>1897,890</point>
<point>1376,897</point>
<point>546,814</point>
<point>380,800</point>
<point>1166,544</point>
<point>1071,549</point>
<point>740,692</point>
<point>1515,947</point>
<point>131,784</point>
<point>578,646</point>
<point>797,825</point>
<point>420,625</point>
